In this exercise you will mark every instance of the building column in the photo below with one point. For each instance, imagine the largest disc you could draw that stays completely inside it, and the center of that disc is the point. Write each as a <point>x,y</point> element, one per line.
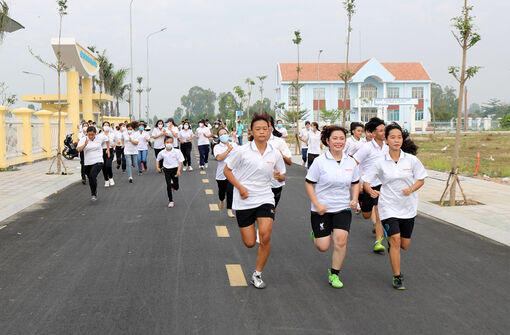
<point>86,86</point>
<point>25,114</point>
<point>412,121</point>
<point>45,116</point>
<point>3,137</point>
<point>73,97</point>
<point>380,113</point>
<point>62,125</point>
<point>359,102</point>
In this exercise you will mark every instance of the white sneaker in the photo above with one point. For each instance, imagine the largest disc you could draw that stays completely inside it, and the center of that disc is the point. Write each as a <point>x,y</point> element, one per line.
<point>184,168</point>
<point>230,214</point>
<point>206,165</point>
<point>222,204</point>
<point>190,168</point>
<point>107,184</point>
<point>257,281</point>
<point>112,183</point>
<point>201,167</point>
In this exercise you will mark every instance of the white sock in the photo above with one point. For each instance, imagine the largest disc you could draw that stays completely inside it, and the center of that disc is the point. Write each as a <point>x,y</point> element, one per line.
<point>257,273</point>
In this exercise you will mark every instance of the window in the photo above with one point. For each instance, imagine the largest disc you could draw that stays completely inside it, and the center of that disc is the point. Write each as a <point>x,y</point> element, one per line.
<point>292,97</point>
<point>368,91</point>
<point>418,115</point>
<point>393,115</point>
<point>417,92</point>
<point>393,92</point>
<point>367,114</point>
<point>341,93</point>
<point>319,94</point>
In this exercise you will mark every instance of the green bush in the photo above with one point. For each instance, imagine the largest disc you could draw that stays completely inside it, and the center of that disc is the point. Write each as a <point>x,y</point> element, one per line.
<point>505,121</point>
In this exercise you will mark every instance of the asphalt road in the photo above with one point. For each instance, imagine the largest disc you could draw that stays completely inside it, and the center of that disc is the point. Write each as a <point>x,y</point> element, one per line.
<point>127,264</point>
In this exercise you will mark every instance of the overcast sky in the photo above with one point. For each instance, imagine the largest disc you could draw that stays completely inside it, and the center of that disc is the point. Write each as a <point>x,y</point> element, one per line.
<point>217,44</point>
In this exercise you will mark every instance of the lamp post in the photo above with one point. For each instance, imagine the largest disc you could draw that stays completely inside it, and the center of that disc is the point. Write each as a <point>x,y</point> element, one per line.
<point>131,59</point>
<point>148,87</point>
<point>39,75</point>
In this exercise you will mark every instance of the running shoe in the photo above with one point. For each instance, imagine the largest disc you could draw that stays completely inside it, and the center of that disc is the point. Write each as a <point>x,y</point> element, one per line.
<point>118,167</point>
<point>139,173</point>
<point>206,165</point>
<point>190,168</point>
<point>257,281</point>
<point>378,246</point>
<point>398,283</point>
<point>84,181</point>
<point>334,280</point>
<point>230,214</point>
<point>130,180</point>
<point>94,198</point>
<point>201,167</point>
<point>184,168</point>
<point>107,184</point>
<point>171,204</point>
<point>112,183</point>
<point>222,204</point>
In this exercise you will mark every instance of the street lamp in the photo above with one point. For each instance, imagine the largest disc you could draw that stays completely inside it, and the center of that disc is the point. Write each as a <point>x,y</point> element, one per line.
<point>131,59</point>
<point>39,75</point>
<point>319,65</point>
<point>148,87</point>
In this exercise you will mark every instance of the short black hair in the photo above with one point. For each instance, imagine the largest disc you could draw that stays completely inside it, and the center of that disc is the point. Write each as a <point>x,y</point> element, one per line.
<point>328,130</point>
<point>373,123</point>
<point>91,128</point>
<point>355,125</point>
<point>408,145</point>
<point>307,122</point>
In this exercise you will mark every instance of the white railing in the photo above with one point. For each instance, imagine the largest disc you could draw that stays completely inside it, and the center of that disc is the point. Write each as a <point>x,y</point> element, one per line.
<point>14,142</point>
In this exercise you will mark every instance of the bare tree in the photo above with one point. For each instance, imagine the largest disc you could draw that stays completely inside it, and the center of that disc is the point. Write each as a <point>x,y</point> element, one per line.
<point>465,34</point>
<point>261,88</point>
<point>297,41</point>
<point>346,75</point>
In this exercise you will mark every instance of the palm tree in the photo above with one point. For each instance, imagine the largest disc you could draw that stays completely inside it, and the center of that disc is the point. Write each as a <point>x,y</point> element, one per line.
<point>250,85</point>
<point>139,90</point>
<point>117,87</point>
<point>4,11</point>
<point>297,42</point>
<point>93,49</point>
<point>261,78</point>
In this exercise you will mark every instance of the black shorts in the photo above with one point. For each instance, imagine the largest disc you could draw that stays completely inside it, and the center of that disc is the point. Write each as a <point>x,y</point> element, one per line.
<point>393,226</point>
<point>247,217</point>
<point>366,202</point>
<point>323,225</point>
<point>277,195</point>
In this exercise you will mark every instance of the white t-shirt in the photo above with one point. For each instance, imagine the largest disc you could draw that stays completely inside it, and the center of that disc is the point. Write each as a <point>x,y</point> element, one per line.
<point>367,155</point>
<point>333,181</point>
<point>143,140</point>
<point>281,146</point>
<point>254,171</point>
<point>304,135</point>
<point>314,142</point>
<point>118,138</point>
<point>171,159</point>
<point>282,131</point>
<point>352,146</point>
<point>108,138</point>
<point>219,149</point>
<point>130,148</point>
<point>81,135</point>
<point>186,134</point>
<point>159,142</point>
<point>93,151</point>
<point>171,132</point>
<point>202,132</point>
<point>394,178</point>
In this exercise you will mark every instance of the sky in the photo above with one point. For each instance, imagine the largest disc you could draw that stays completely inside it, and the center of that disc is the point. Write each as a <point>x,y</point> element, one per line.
<point>218,44</point>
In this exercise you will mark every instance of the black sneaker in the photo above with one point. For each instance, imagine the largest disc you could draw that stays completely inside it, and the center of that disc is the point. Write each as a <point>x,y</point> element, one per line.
<point>398,282</point>
<point>84,181</point>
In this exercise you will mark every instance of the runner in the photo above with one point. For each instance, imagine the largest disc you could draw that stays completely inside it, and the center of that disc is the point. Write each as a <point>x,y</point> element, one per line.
<point>214,139</point>
<point>172,162</point>
<point>222,151</point>
<point>367,156</point>
<point>330,181</point>
<point>203,134</point>
<point>93,157</point>
<point>303,136</point>
<point>173,130</point>
<point>131,148</point>
<point>240,132</point>
<point>401,174</point>
<point>255,164</point>
<point>107,146</point>
<point>354,142</point>
<point>185,136</point>
<point>314,143</point>
<point>119,146</point>
<point>158,134</point>
<point>279,144</point>
<point>143,148</point>
<point>81,134</point>
<point>281,129</point>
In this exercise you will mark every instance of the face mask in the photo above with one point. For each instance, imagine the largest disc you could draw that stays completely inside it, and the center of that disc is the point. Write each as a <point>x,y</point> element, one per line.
<point>140,128</point>
<point>160,126</point>
<point>280,125</point>
<point>130,131</point>
<point>106,128</point>
<point>169,145</point>
<point>201,124</point>
<point>224,138</point>
<point>215,126</point>
<point>186,126</point>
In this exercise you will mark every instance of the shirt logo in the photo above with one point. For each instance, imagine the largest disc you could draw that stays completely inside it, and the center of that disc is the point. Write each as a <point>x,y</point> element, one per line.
<point>406,170</point>
<point>269,162</point>
<point>348,170</point>
<point>321,226</point>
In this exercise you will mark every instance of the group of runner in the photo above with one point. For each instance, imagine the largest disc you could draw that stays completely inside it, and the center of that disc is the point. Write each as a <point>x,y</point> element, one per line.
<point>351,175</point>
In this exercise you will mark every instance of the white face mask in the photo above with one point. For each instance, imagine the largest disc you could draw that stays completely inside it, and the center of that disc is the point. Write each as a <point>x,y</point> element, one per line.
<point>216,126</point>
<point>130,131</point>
<point>106,128</point>
<point>186,126</point>
<point>169,145</point>
<point>160,126</point>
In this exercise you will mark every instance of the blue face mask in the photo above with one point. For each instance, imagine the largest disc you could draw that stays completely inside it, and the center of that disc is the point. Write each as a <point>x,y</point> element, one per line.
<point>140,128</point>
<point>224,138</point>
<point>279,125</point>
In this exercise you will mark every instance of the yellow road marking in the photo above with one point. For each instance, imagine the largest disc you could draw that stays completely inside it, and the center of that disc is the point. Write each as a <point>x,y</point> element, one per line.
<point>214,207</point>
<point>236,275</point>
<point>208,191</point>
<point>222,231</point>
<point>202,172</point>
<point>205,181</point>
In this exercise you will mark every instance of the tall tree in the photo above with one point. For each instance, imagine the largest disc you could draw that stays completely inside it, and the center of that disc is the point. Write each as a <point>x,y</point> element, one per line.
<point>117,88</point>
<point>241,95</point>
<point>199,102</point>
<point>178,113</point>
<point>139,90</point>
<point>297,41</point>
<point>466,36</point>
<point>261,88</point>
<point>346,75</point>
<point>227,105</point>
<point>250,84</point>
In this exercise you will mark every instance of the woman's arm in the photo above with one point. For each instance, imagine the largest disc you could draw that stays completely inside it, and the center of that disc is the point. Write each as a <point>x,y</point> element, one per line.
<point>419,183</point>
<point>310,190</point>
<point>224,155</point>
<point>243,192</point>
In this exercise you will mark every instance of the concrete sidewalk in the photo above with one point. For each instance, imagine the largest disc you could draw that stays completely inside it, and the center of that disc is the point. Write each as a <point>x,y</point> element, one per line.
<point>30,184</point>
<point>491,220</point>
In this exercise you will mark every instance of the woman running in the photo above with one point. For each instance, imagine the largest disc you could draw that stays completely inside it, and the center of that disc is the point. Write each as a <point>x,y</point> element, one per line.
<point>143,148</point>
<point>158,134</point>
<point>255,164</point>
<point>119,146</point>
<point>279,144</point>
<point>330,182</point>
<point>131,148</point>
<point>82,134</point>
<point>185,136</point>
<point>91,145</point>
<point>401,174</point>
<point>203,133</point>
<point>173,131</point>
<point>222,151</point>
<point>354,142</point>
<point>314,143</point>
<point>172,162</point>
<point>108,144</point>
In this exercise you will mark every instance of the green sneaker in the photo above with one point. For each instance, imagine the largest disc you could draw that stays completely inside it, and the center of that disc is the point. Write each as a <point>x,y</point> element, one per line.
<point>378,247</point>
<point>334,280</point>
<point>312,236</point>
<point>398,283</point>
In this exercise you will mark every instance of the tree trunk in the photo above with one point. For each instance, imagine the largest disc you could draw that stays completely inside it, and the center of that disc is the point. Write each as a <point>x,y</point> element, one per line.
<point>139,106</point>
<point>344,116</point>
